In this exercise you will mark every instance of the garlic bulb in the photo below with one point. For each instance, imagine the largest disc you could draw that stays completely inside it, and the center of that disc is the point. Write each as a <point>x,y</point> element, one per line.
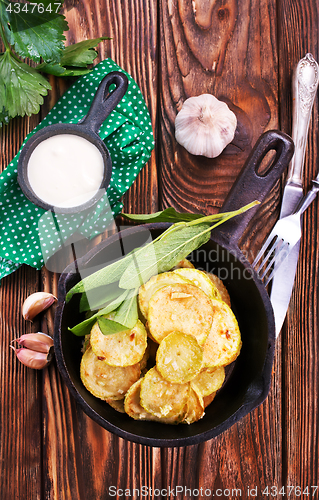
<point>205,125</point>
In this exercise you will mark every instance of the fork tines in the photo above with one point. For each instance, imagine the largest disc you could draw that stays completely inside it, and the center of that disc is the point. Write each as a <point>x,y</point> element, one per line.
<point>274,249</point>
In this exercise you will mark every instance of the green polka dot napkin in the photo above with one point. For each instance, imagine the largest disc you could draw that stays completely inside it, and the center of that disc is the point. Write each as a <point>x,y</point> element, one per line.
<point>29,235</point>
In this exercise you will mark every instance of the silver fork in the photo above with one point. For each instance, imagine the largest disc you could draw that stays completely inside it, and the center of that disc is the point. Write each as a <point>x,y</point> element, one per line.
<point>283,237</point>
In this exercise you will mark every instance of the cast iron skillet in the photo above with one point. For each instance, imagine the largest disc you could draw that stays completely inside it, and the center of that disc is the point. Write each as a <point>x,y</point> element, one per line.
<point>248,382</point>
<point>103,104</point>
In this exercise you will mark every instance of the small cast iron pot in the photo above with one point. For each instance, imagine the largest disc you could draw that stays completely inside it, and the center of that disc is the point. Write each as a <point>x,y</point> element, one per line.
<point>248,380</point>
<point>103,104</point>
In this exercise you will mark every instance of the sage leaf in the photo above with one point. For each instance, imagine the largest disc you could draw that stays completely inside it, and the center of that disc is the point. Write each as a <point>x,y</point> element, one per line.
<point>167,215</point>
<point>94,299</point>
<point>85,326</point>
<point>105,276</point>
<point>108,327</point>
<point>127,313</point>
<point>165,254</point>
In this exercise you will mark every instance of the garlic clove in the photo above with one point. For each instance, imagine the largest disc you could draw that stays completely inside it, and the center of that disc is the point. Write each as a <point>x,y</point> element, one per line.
<point>40,342</point>
<point>32,359</point>
<point>36,303</point>
<point>204,125</point>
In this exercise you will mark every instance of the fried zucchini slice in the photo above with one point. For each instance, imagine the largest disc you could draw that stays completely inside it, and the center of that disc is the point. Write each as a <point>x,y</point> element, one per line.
<point>162,398</point>
<point>145,358</point>
<point>117,404</point>
<point>156,283</point>
<point>122,348</point>
<point>208,380</point>
<point>134,409</point>
<point>180,307</point>
<point>220,287</point>
<point>195,407</point>
<point>208,399</point>
<point>179,358</point>
<point>105,381</point>
<point>184,263</point>
<point>223,343</point>
<point>201,280</point>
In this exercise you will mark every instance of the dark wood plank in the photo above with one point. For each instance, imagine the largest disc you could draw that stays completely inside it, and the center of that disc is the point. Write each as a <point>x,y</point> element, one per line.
<point>245,75</point>
<point>20,409</point>
<point>300,335</point>
<point>49,448</point>
<point>81,459</point>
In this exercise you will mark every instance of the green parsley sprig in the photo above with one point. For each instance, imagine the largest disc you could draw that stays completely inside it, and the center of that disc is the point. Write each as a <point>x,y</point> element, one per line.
<point>35,30</point>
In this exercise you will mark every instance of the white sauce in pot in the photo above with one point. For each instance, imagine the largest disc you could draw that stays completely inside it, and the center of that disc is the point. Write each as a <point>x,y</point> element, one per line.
<point>65,170</point>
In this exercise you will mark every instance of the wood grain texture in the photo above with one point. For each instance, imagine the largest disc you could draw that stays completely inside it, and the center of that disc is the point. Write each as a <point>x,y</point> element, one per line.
<point>80,459</point>
<point>300,334</point>
<point>20,410</point>
<point>242,51</point>
<point>242,70</point>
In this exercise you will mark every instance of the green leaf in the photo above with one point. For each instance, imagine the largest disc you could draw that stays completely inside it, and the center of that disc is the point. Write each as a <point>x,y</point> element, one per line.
<point>105,276</point>
<point>167,215</point>
<point>21,87</point>
<point>165,254</point>
<point>156,257</point>
<point>108,327</point>
<point>82,53</point>
<point>99,297</point>
<point>127,313</point>
<point>75,59</point>
<point>34,33</point>
<point>53,68</point>
<point>85,326</point>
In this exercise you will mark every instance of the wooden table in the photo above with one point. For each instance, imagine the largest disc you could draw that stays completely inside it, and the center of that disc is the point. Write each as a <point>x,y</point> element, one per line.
<point>243,50</point>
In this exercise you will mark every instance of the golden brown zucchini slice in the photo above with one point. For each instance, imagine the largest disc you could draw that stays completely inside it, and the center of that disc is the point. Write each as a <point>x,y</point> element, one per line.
<point>156,283</point>
<point>223,343</point>
<point>221,288</point>
<point>180,307</point>
<point>195,407</point>
<point>134,409</point>
<point>132,402</point>
<point>122,348</point>
<point>179,358</point>
<point>184,263</point>
<point>208,399</point>
<point>117,404</point>
<point>105,381</point>
<point>208,380</point>
<point>201,280</point>
<point>162,398</point>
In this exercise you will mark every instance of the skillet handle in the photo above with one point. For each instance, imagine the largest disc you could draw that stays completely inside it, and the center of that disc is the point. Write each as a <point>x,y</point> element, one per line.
<point>104,101</point>
<point>251,186</point>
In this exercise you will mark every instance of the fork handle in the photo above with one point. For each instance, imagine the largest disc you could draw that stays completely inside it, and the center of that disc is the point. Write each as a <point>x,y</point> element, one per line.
<point>304,87</point>
<point>309,197</point>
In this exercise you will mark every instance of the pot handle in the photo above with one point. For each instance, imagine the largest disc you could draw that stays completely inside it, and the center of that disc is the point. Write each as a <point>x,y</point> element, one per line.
<point>105,101</point>
<point>250,185</point>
